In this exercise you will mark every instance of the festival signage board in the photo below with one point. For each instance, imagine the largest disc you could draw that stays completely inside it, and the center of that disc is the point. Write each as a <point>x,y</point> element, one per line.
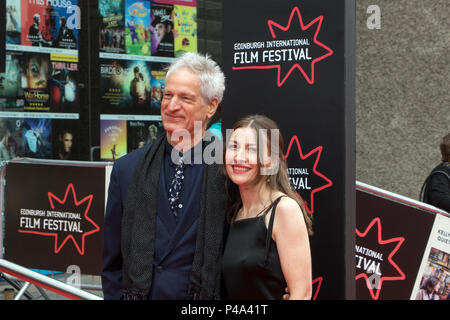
<point>293,63</point>
<point>54,216</point>
<point>400,243</point>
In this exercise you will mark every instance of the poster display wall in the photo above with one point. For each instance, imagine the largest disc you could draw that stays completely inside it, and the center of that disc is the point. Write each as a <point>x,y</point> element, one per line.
<point>137,41</point>
<point>41,77</point>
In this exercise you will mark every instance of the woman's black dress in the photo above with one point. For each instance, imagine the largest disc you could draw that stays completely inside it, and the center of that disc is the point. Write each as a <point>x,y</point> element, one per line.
<point>251,267</point>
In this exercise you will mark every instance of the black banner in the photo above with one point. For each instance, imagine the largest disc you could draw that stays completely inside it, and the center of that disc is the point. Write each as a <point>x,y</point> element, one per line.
<point>53,216</point>
<point>391,238</point>
<point>288,62</point>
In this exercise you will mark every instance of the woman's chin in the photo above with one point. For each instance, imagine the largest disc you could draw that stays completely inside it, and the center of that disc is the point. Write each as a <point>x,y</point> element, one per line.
<point>242,180</point>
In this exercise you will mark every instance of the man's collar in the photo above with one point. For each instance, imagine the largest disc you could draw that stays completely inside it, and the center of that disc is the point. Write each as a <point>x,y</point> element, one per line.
<point>191,153</point>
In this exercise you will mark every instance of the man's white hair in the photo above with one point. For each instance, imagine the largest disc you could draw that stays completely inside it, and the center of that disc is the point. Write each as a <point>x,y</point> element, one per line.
<point>211,76</point>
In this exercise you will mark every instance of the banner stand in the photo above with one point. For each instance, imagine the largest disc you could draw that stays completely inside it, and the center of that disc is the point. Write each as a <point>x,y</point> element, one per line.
<point>295,63</point>
<point>36,166</point>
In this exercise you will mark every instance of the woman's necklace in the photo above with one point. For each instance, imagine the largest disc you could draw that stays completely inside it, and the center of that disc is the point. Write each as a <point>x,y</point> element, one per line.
<point>248,217</point>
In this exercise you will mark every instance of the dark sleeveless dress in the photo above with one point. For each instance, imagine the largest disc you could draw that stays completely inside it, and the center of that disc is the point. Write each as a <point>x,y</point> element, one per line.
<point>251,267</point>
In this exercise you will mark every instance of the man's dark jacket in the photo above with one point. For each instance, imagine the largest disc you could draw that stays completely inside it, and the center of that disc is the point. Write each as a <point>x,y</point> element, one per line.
<point>112,257</point>
<point>437,191</point>
<point>180,241</point>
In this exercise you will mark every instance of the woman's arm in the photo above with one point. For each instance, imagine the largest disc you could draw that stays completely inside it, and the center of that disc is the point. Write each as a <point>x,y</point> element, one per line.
<point>291,236</point>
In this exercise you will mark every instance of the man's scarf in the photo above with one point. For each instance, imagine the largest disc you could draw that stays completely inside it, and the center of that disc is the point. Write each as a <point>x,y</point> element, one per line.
<point>139,226</point>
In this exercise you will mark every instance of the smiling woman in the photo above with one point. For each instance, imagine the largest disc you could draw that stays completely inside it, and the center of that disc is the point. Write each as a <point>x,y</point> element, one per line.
<point>268,243</point>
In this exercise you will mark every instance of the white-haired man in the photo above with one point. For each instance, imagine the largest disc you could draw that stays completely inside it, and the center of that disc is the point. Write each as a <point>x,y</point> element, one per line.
<point>164,220</point>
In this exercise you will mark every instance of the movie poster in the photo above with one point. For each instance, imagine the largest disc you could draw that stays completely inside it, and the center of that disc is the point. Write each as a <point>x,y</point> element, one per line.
<point>113,139</point>
<point>13,18</point>
<point>37,23</point>
<point>63,87</point>
<point>125,83</point>
<point>63,29</point>
<point>435,266</point>
<point>157,83</point>
<point>36,138</point>
<point>10,138</point>
<point>185,20</point>
<point>112,75</point>
<point>65,139</point>
<point>140,133</point>
<point>36,72</point>
<point>112,32</point>
<point>137,31</point>
<point>162,30</point>
<point>11,92</point>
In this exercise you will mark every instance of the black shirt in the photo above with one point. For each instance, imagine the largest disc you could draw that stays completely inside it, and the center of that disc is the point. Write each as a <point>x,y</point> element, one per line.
<point>193,174</point>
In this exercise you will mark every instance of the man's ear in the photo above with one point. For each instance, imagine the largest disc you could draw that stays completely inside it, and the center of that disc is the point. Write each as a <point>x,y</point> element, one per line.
<point>212,107</point>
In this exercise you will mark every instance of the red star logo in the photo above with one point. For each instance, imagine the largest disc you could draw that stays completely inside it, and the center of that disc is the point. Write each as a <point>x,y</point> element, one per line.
<point>318,152</point>
<point>401,276</point>
<point>317,281</point>
<point>310,78</point>
<point>87,201</point>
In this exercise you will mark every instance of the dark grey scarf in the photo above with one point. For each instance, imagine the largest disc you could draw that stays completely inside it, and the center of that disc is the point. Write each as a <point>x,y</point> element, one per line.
<point>139,224</point>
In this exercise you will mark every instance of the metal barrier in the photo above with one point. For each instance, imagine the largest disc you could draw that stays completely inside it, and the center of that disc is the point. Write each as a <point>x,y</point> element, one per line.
<point>11,272</point>
<point>399,198</point>
<point>41,281</point>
